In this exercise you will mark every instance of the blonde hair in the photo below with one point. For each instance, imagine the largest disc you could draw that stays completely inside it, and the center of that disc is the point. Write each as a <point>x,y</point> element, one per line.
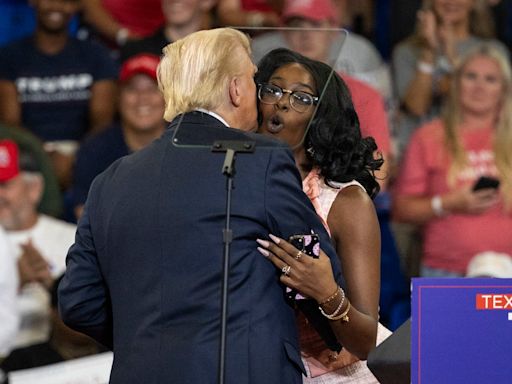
<point>503,128</point>
<point>195,71</point>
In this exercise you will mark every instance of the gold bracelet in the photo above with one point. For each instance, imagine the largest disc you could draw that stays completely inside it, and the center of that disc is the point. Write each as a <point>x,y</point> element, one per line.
<point>334,314</point>
<point>330,316</point>
<point>332,297</point>
<point>343,316</point>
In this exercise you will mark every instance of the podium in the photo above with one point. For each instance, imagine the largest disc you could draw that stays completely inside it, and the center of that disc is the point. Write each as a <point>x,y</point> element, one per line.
<point>461,330</point>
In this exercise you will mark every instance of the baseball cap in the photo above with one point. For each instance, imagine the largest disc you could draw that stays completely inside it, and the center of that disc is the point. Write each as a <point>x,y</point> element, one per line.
<point>491,264</point>
<point>315,10</point>
<point>9,164</point>
<point>143,63</point>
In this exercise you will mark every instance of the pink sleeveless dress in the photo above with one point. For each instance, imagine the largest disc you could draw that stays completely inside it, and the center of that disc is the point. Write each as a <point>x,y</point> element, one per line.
<point>322,197</point>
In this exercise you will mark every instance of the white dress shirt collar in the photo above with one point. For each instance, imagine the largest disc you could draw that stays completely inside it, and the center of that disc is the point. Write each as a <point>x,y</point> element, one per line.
<point>217,116</point>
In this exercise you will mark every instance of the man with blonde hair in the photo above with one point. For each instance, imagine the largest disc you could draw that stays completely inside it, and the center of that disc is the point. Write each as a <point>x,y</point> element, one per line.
<point>144,276</point>
<point>219,79</point>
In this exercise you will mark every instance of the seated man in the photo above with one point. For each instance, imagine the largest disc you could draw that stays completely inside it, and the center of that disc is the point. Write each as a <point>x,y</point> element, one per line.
<point>141,110</point>
<point>51,201</point>
<point>39,243</point>
<point>56,86</point>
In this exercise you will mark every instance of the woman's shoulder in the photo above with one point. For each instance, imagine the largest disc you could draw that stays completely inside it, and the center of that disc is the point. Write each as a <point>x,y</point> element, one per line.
<point>339,196</point>
<point>350,202</point>
<point>353,193</point>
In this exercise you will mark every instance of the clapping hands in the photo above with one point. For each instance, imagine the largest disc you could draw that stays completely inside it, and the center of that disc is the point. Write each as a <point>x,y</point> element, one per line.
<point>32,266</point>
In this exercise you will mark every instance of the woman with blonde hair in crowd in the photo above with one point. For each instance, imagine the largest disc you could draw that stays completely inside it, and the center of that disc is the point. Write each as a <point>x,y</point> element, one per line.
<point>423,63</point>
<point>446,158</point>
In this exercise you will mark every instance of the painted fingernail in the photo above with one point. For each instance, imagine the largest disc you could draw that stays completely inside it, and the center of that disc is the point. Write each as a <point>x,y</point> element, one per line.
<point>275,239</point>
<point>264,252</point>
<point>263,243</point>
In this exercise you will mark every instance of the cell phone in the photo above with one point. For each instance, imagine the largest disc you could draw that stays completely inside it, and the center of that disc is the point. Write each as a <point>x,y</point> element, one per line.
<point>307,244</point>
<point>310,245</point>
<point>486,182</point>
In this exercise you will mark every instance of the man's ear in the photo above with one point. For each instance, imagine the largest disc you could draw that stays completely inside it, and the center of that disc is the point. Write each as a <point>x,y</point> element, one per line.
<point>235,91</point>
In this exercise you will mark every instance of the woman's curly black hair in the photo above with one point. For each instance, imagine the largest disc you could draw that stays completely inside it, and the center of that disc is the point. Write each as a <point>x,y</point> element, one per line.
<point>333,140</point>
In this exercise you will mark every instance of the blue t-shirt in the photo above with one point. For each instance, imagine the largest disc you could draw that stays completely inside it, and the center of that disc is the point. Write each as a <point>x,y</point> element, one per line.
<point>94,156</point>
<point>54,90</point>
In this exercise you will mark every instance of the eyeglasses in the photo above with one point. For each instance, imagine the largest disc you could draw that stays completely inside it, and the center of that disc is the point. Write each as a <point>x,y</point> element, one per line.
<point>299,100</point>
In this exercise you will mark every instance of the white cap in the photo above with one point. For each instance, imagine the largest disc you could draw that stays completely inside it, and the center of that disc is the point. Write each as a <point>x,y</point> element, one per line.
<point>490,264</point>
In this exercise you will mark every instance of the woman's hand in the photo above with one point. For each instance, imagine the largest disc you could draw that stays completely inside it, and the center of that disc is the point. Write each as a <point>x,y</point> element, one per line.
<point>470,202</point>
<point>428,29</point>
<point>310,276</point>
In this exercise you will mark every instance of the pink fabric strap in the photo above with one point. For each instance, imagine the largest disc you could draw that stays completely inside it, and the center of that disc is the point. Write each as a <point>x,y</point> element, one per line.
<point>311,187</point>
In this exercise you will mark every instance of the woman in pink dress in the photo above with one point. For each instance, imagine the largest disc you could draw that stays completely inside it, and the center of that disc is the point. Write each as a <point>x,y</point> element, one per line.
<point>306,104</point>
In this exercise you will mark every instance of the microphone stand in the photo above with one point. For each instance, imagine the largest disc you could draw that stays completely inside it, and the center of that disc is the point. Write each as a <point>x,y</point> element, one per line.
<point>228,169</point>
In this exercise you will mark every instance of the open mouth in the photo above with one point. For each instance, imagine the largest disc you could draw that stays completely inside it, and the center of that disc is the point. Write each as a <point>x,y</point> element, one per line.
<point>55,17</point>
<point>275,124</point>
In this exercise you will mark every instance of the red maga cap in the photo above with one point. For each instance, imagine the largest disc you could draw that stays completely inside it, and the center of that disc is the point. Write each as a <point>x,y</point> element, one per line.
<point>143,63</point>
<point>9,165</point>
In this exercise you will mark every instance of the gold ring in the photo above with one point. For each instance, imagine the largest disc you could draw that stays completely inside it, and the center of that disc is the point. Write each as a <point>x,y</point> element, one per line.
<point>286,270</point>
<point>298,255</point>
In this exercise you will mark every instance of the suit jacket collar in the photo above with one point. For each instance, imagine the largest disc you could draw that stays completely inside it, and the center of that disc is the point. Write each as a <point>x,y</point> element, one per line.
<point>199,128</point>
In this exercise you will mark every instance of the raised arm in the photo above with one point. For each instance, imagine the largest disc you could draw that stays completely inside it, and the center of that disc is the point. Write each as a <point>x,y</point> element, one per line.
<point>96,15</point>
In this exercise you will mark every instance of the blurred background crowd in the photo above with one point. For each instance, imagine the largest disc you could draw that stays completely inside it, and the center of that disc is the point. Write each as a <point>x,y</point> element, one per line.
<point>431,82</point>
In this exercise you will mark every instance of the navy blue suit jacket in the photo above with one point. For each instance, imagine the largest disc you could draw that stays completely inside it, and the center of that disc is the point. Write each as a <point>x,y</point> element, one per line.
<point>144,275</point>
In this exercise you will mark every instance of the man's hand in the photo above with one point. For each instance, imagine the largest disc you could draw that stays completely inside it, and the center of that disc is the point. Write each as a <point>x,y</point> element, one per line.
<point>33,267</point>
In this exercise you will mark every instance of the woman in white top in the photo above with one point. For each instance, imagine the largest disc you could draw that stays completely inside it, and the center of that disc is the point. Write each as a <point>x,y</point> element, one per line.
<point>306,104</point>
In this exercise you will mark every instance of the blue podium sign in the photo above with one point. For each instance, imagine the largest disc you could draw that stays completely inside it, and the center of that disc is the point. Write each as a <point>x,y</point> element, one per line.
<point>461,331</point>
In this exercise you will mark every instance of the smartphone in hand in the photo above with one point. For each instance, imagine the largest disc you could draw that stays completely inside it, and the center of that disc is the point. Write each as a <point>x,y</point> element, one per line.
<point>307,244</point>
<point>310,245</point>
<point>485,182</point>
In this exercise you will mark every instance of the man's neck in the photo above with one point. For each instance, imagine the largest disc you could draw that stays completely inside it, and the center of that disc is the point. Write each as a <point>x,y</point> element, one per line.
<point>217,115</point>
<point>50,43</point>
<point>25,223</point>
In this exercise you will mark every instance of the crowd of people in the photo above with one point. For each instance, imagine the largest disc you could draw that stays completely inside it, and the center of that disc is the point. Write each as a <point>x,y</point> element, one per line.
<point>403,159</point>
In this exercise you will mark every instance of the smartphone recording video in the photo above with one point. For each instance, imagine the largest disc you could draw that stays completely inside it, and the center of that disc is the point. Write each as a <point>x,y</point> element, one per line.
<point>485,182</point>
